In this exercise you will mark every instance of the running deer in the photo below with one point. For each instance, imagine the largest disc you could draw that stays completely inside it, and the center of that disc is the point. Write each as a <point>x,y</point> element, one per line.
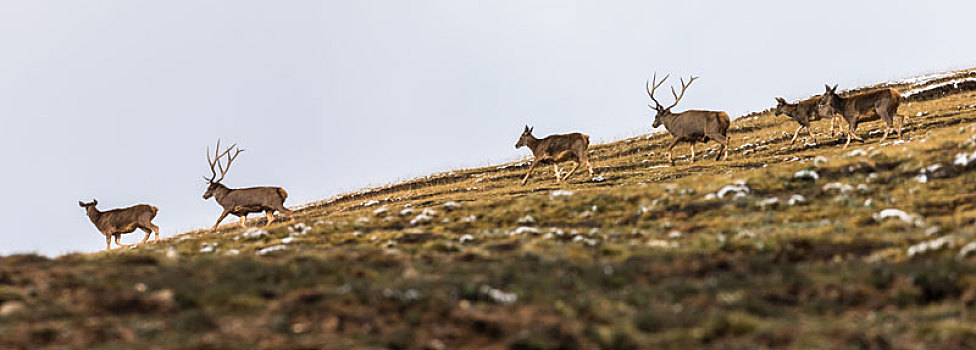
<point>689,126</point>
<point>865,106</point>
<point>556,149</point>
<point>117,222</point>
<point>805,112</point>
<point>241,201</point>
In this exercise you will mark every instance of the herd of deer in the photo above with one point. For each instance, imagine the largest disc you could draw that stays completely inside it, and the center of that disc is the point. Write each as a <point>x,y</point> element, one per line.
<point>691,126</point>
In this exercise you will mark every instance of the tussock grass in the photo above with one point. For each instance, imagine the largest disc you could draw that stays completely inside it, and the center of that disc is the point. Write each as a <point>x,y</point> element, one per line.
<point>650,257</point>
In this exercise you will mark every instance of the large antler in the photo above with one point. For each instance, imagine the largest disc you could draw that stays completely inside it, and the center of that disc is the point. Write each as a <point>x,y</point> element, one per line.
<point>683,88</point>
<point>215,162</point>
<point>650,90</point>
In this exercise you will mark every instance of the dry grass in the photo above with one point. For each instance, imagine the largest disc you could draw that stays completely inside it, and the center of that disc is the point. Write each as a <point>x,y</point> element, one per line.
<point>645,258</point>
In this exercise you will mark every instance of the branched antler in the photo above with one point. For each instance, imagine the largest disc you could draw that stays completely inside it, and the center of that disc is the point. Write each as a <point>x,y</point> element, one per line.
<point>215,161</point>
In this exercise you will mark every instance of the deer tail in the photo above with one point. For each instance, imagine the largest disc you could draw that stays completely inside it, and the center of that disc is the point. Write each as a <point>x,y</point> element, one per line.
<point>282,193</point>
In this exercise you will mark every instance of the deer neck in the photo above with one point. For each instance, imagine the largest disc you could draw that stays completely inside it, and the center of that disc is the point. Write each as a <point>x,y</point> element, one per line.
<point>220,192</point>
<point>93,214</point>
<point>668,119</point>
<point>533,144</point>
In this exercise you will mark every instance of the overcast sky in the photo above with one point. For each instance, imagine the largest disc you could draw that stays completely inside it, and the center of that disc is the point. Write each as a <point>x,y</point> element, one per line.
<point>118,100</point>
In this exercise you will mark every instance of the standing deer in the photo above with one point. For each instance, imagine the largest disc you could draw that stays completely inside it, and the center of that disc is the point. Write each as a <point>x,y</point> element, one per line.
<point>860,107</point>
<point>117,222</point>
<point>556,149</point>
<point>689,126</point>
<point>241,201</point>
<point>805,112</point>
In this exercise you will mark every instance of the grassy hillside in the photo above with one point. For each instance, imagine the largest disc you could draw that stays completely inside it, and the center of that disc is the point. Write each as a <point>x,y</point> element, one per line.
<point>783,246</point>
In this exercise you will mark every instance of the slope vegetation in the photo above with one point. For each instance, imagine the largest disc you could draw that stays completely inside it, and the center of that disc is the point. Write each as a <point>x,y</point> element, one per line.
<point>783,246</point>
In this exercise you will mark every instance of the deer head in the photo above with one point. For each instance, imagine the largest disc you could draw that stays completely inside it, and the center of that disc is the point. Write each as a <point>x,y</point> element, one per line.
<point>93,203</point>
<point>526,136</point>
<point>781,106</point>
<point>661,110</point>
<point>830,98</point>
<point>213,181</point>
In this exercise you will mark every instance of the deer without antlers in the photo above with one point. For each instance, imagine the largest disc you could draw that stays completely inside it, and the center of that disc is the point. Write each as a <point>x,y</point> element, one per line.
<point>689,126</point>
<point>240,201</point>
<point>860,107</point>
<point>117,222</point>
<point>555,149</point>
<point>804,112</point>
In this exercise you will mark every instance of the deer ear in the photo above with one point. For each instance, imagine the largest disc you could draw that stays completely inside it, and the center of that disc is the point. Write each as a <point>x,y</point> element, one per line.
<point>81,204</point>
<point>531,129</point>
<point>94,201</point>
<point>526,129</point>
<point>834,89</point>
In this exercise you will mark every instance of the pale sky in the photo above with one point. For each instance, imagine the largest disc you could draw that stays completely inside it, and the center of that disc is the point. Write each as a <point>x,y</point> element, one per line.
<point>118,100</point>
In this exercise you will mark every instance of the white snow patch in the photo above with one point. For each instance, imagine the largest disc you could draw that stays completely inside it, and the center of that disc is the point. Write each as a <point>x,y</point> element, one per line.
<point>967,250</point>
<point>208,248</point>
<point>806,175</point>
<point>842,187</point>
<point>953,83</point>
<point>735,189</point>
<point>931,245</point>
<point>797,199</point>
<point>299,229</point>
<point>897,214</point>
<point>498,295</point>
<point>526,220</point>
<point>525,230</point>
<point>561,193</point>
<point>271,249</point>
<point>451,205</point>
<point>252,234</point>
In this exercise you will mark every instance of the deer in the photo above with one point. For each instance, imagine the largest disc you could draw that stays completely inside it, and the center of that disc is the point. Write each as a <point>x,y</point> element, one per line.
<point>804,112</point>
<point>240,201</point>
<point>690,126</point>
<point>117,222</point>
<point>880,103</point>
<point>556,149</point>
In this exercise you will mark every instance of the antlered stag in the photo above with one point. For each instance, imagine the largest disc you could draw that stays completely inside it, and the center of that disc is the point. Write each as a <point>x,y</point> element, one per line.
<point>117,222</point>
<point>241,201</point>
<point>805,112</point>
<point>556,149</point>
<point>860,107</point>
<point>689,126</point>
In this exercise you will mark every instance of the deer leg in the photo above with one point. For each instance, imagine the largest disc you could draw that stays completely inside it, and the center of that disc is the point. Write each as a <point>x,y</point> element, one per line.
<point>692,151</point>
<point>851,125</point>
<point>723,146</point>
<point>118,242</point>
<point>156,230</point>
<point>571,171</point>
<point>589,167</point>
<point>243,220</point>
<point>555,169</point>
<point>148,232</point>
<point>531,167</point>
<point>901,123</point>
<point>221,218</point>
<point>795,134</point>
<point>671,144</point>
<point>108,242</point>
<point>270,217</point>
